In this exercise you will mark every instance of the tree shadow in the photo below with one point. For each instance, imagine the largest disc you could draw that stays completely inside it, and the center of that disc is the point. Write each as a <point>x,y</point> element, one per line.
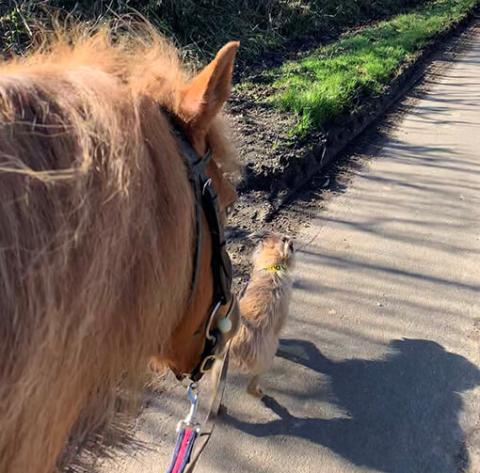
<point>402,412</point>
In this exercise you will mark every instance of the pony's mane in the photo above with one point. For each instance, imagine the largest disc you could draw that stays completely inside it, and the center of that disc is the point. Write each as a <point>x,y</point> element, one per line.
<point>93,197</point>
<point>145,62</point>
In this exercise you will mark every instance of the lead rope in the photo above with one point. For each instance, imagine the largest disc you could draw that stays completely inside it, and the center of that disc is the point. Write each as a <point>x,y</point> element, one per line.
<point>189,431</point>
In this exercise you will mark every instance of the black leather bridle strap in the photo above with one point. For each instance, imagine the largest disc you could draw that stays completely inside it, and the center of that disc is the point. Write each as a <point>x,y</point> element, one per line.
<point>206,201</point>
<point>221,264</point>
<point>196,172</point>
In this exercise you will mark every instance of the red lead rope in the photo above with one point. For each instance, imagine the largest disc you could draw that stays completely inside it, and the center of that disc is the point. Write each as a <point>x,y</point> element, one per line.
<point>183,449</point>
<point>186,453</point>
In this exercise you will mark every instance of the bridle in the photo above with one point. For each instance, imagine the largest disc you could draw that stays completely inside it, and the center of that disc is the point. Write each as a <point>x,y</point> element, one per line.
<point>206,201</point>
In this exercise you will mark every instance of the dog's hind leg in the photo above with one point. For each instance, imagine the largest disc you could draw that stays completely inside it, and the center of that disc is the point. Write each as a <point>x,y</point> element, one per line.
<point>253,387</point>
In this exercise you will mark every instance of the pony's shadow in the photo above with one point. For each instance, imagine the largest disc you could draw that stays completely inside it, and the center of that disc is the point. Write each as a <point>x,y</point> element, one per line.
<point>402,411</point>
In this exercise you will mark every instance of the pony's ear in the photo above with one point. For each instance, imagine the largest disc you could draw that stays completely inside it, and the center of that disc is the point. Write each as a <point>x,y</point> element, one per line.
<point>206,93</point>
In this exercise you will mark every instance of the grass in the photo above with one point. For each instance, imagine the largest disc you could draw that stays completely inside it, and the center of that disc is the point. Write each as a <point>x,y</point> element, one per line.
<point>202,26</point>
<point>329,83</point>
<point>320,88</point>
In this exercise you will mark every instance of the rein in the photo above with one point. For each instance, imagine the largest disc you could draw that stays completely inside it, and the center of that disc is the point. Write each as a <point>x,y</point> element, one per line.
<point>189,431</point>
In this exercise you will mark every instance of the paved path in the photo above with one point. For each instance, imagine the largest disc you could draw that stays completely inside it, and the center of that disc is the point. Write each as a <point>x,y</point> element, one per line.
<point>378,370</point>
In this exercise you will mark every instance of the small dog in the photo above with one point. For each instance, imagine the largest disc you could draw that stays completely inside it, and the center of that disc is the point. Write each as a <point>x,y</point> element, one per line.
<point>263,309</point>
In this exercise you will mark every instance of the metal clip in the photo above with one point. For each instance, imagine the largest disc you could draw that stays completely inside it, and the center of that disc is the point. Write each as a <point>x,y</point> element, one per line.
<point>207,183</point>
<point>189,421</point>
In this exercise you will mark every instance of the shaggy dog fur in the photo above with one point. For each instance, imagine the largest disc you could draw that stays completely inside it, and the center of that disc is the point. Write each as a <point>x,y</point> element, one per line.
<point>263,309</point>
<point>96,230</point>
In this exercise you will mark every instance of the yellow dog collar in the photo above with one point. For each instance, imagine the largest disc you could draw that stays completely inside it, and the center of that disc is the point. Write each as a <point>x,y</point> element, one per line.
<point>275,268</point>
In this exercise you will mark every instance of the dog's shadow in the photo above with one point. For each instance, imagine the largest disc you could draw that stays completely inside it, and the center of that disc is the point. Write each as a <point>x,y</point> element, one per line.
<point>402,411</point>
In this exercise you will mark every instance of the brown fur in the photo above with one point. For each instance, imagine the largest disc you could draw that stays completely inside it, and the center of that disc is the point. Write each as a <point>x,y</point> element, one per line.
<point>95,231</point>
<point>263,309</point>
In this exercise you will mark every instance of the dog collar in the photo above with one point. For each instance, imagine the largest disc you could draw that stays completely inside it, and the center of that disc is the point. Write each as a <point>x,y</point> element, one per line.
<point>275,268</point>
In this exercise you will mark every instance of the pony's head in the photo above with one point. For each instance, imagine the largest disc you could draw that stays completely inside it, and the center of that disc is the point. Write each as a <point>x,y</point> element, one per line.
<point>198,104</point>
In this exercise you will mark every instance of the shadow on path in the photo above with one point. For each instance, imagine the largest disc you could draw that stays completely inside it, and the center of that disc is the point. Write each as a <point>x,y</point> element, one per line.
<point>401,412</point>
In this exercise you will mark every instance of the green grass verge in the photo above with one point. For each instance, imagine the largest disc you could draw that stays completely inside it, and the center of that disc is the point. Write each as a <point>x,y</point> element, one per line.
<point>329,82</point>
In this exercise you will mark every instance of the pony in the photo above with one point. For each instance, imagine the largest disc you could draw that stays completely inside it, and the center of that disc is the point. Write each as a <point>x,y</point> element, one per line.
<point>97,230</point>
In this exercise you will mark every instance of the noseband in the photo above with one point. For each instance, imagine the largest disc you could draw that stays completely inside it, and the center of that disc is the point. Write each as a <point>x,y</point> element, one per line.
<point>206,201</point>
